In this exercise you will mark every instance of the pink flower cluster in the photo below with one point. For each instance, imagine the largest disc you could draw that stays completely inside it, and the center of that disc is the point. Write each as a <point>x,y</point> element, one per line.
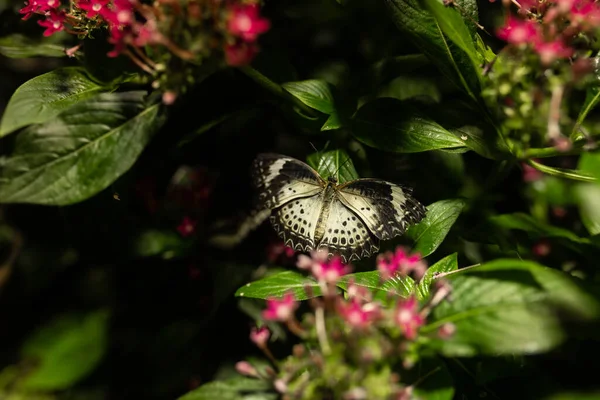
<point>400,263</point>
<point>245,25</point>
<point>550,26</point>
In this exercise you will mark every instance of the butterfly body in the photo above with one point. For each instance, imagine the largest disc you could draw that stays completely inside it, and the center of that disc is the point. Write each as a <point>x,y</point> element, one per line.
<point>309,212</point>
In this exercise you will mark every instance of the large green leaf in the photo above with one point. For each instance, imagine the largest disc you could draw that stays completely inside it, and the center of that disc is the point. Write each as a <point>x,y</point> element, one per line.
<point>432,230</point>
<point>279,284</point>
<point>589,162</point>
<point>538,229</point>
<point>446,264</point>
<point>316,94</point>
<point>510,307</point>
<point>65,351</point>
<point>44,97</point>
<point>587,196</point>
<point>232,389</point>
<point>336,164</point>
<point>397,286</point>
<point>415,21</point>
<point>20,46</point>
<point>390,125</point>
<point>452,24</point>
<point>80,152</point>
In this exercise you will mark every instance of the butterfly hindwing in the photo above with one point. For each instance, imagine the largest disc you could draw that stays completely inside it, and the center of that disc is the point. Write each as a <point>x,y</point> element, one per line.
<point>387,209</point>
<point>345,234</point>
<point>296,221</point>
<point>281,179</point>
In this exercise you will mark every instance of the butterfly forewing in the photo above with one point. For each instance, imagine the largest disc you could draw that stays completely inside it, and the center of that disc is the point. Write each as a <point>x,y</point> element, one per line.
<point>281,179</point>
<point>387,209</point>
<point>296,222</point>
<point>345,234</point>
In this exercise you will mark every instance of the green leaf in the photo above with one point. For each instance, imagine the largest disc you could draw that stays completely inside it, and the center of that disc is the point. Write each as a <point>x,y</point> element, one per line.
<point>446,264</point>
<point>333,122</point>
<point>592,97</point>
<point>432,230</point>
<point>453,26</point>
<point>65,351</point>
<point>510,307</point>
<point>20,46</point>
<point>538,229</point>
<point>589,163</point>
<point>213,390</point>
<point>422,28</point>
<point>588,200</point>
<point>44,97</point>
<point>390,125</point>
<point>405,87</point>
<point>397,286</point>
<point>80,152</point>
<point>279,284</point>
<point>335,163</point>
<point>314,93</point>
<point>164,243</point>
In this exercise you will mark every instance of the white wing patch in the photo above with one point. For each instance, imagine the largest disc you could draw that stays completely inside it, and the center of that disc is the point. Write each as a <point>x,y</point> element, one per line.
<point>296,221</point>
<point>346,235</point>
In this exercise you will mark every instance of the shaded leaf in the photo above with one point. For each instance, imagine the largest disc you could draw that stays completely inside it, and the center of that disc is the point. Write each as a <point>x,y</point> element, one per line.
<point>422,28</point>
<point>432,230</point>
<point>65,351</point>
<point>446,264</point>
<point>163,243</point>
<point>314,93</point>
<point>589,162</point>
<point>21,46</point>
<point>80,152</point>
<point>434,381</point>
<point>529,224</point>
<point>510,307</point>
<point>588,200</point>
<point>278,285</point>
<point>389,125</point>
<point>333,122</point>
<point>335,163</point>
<point>44,97</point>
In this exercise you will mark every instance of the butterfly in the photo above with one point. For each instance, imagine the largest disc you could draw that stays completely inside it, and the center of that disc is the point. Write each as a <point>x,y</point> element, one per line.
<point>311,213</point>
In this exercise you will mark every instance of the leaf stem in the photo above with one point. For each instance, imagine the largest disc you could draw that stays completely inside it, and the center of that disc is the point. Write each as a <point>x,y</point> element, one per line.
<point>562,173</point>
<point>277,90</point>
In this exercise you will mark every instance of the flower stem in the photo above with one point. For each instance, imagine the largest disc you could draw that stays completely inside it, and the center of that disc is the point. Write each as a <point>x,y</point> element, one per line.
<point>562,173</point>
<point>321,331</point>
<point>277,90</point>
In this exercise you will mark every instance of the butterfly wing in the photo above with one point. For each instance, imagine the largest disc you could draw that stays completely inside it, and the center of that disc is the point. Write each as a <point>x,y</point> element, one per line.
<point>296,221</point>
<point>345,234</point>
<point>386,208</point>
<point>280,179</point>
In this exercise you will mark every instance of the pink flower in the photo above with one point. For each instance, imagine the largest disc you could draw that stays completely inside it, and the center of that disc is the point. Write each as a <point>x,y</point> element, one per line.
<point>186,227</point>
<point>245,368</point>
<point>584,13</point>
<point>517,31</point>
<point>550,51</point>
<point>240,54</point>
<point>93,7</point>
<point>330,271</point>
<point>360,293</point>
<point>53,23</point>
<point>120,14</point>
<point>407,317</point>
<point>39,6</point>
<point>280,309</point>
<point>244,21</point>
<point>447,330</point>
<point>541,248</point>
<point>278,249</point>
<point>358,315</point>
<point>259,336</point>
<point>531,174</point>
<point>400,262</point>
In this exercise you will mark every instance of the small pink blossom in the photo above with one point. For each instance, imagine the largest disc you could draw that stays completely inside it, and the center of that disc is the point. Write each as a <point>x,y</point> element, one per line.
<point>276,250</point>
<point>400,262</point>
<point>244,21</point>
<point>584,13</point>
<point>447,330</point>
<point>358,315</point>
<point>550,51</point>
<point>93,7</point>
<point>541,248</point>
<point>186,227</point>
<point>245,368</point>
<point>53,23</point>
<point>39,7</point>
<point>240,54</point>
<point>260,336</point>
<point>531,174</point>
<point>330,271</point>
<point>407,317</point>
<point>360,293</point>
<point>280,309</point>
<point>518,31</point>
